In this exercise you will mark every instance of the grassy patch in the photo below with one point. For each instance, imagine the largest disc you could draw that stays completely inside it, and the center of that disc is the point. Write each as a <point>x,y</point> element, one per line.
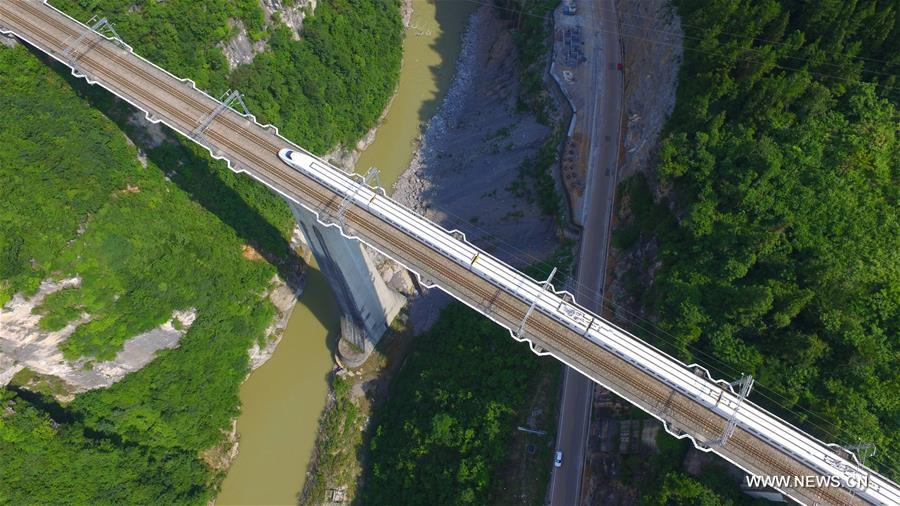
<point>48,386</point>
<point>536,184</point>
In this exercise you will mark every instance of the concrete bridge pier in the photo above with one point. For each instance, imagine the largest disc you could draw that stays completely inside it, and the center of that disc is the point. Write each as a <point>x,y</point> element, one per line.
<point>367,304</point>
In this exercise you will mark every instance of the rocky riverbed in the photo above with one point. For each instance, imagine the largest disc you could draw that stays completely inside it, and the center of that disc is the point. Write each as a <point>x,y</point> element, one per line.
<point>467,167</point>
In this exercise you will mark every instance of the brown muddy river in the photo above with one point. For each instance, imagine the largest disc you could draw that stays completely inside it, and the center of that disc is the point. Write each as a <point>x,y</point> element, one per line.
<point>282,399</point>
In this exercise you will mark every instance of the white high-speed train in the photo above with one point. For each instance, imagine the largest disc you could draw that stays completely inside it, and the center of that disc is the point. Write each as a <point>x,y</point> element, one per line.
<point>715,395</point>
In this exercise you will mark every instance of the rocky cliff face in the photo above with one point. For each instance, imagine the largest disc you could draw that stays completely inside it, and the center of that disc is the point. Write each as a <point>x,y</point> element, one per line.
<point>8,41</point>
<point>652,35</point>
<point>653,40</point>
<point>241,49</point>
<point>291,14</point>
<point>24,345</point>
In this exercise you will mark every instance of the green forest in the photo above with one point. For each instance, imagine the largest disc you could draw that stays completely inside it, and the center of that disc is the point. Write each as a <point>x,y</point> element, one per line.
<point>443,434</point>
<point>772,218</point>
<point>147,239</point>
<point>143,253</point>
<point>325,88</point>
<point>773,212</point>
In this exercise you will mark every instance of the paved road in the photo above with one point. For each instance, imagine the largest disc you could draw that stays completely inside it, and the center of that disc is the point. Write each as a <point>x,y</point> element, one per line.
<point>571,436</point>
<point>605,122</point>
<point>603,165</point>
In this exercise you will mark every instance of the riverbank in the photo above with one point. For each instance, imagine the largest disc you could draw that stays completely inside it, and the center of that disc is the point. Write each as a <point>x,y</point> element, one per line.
<point>346,157</point>
<point>193,219</point>
<point>467,172</point>
<point>342,440</point>
<point>270,389</point>
<point>284,298</point>
<point>470,168</point>
<point>281,402</point>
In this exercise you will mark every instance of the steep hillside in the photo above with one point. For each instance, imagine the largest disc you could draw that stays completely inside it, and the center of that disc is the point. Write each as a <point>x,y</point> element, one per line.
<point>142,235</point>
<point>768,237</point>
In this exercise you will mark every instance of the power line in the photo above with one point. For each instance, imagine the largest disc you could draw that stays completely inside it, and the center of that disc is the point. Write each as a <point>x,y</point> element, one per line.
<point>735,58</point>
<point>683,24</point>
<point>519,254</point>
<point>645,324</point>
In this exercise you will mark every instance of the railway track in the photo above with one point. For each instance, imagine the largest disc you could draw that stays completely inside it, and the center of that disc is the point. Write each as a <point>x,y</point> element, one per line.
<point>549,331</point>
<point>651,392</point>
<point>202,108</point>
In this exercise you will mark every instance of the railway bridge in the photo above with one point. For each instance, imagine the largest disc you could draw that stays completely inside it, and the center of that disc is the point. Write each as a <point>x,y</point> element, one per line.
<point>714,415</point>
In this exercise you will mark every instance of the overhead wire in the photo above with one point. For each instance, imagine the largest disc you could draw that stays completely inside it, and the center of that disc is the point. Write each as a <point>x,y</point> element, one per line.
<point>707,360</point>
<point>681,23</point>
<point>736,58</point>
<point>645,324</point>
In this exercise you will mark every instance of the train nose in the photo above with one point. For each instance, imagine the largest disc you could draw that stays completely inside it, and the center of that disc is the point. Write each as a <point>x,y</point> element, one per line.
<point>286,155</point>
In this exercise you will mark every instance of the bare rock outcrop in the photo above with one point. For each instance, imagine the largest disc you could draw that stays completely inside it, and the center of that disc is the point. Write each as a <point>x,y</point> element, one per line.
<point>8,41</point>
<point>147,135</point>
<point>242,49</point>
<point>292,15</point>
<point>23,344</point>
<point>653,40</point>
<point>283,297</point>
<point>652,35</point>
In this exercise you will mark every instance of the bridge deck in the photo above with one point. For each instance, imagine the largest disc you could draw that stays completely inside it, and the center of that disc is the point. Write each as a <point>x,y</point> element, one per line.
<point>252,148</point>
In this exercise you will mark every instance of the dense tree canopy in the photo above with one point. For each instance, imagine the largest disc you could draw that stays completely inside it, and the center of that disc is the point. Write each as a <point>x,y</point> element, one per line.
<point>678,489</point>
<point>776,214</point>
<point>442,434</point>
<point>45,462</point>
<point>81,204</point>
<point>328,87</point>
<point>182,36</point>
